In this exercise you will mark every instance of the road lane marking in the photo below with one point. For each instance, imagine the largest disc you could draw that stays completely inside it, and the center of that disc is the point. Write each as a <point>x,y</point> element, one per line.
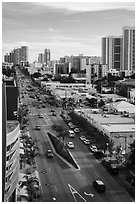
<point>89,194</point>
<point>96,174</point>
<point>73,191</point>
<point>49,170</point>
<point>56,189</point>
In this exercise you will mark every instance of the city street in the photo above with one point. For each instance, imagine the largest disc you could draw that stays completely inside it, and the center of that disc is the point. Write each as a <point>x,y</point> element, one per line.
<point>61,182</point>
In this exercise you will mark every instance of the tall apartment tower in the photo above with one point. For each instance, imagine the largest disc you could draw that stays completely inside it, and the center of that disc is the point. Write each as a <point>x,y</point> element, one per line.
<point>24,53</point>
<point>112,52</point>
<point>129,48</point>
<point>17,55</point>
<point>41,58</point>
<point>47,56</point>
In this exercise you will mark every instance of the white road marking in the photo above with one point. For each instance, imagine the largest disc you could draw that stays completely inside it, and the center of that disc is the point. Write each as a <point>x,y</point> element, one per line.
<point>56,189</point>
<point>96,174</point>
<point>89,194</point>
<point>73,191</point>
<point>49,170</point>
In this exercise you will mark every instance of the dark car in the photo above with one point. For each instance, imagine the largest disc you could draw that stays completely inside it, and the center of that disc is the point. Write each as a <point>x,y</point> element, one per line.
<point>99,186</point>
<point>99,154</point>
<point>49,153</point>
<point>112,168</point>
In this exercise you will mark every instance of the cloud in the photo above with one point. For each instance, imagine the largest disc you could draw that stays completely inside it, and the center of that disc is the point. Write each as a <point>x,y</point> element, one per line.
<point>89,6</point>
<point>51,30</point>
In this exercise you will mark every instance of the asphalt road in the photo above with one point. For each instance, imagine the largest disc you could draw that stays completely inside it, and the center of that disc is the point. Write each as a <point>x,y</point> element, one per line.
<point>61,182</point>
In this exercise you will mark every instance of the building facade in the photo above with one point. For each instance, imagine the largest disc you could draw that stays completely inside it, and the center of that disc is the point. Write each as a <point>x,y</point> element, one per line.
<point>47,56</point>
<point>112,52</point>
<point>129,48</point>
<point>10,141</point>
<point>41,58</point>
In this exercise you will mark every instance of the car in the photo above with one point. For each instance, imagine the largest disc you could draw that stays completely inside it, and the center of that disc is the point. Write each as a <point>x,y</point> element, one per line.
<point>82,138</point>
<point>99,186</point>
<point>52,110</point>
<point>40,115</point>
<point>71,133</point>
<point>39,107</point>
<point>86,141</point>
<point>99,154</point>
<point>43,106</point>
<point>53,114</point>
<point>93,148</point>
<point>76,130</point>
<point>70,145</point>
<point>49,153</point>
<point>37,127</point>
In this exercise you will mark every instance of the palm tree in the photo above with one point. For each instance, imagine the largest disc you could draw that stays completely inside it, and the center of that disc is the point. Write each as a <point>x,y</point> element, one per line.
<point>63,134</point>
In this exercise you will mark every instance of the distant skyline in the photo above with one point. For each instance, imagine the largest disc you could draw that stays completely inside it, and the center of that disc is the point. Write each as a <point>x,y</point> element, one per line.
<point>66,28</point>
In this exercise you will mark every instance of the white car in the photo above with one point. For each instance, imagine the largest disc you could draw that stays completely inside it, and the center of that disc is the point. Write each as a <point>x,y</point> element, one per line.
<point>82,138</point>
<point>70,145</point>
<point>86,141</point>
<point>76,130</point>
<point>93,148</point>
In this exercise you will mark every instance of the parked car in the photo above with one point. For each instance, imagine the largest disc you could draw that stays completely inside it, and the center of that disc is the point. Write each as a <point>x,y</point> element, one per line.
<point>49,153</point>
<point>98,154</point>
<point>86,142</point>
<point>71,133</point>
<point>70,145</point>
<point>37,127</point>
<point>52,110</point>
<point>76,130</point>
<point>99,186</point>
<point>82,138</point>
<point>53,114</point>
<point>40,115</point>
<point>93,148</point>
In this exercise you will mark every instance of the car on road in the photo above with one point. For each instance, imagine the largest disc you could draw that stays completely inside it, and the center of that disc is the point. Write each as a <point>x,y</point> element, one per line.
<point>70,145</point>
<point>53,114</point>
<point>37,127</point>
<point>99,186</point>
<point>93,148</point>
<point>49,153</point>
<point>52,110</point>
<point>99,154</point>
<point>41,116</point>
<point>71,133</point>
<point>86,142</point>
<point>76,130</point>
<point>82,138</point>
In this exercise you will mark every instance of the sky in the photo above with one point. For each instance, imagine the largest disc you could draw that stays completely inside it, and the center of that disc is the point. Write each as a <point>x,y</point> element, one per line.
<point>66,28</point>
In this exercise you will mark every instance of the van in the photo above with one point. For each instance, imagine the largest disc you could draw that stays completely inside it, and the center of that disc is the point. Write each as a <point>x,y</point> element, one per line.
<point>71,133</point>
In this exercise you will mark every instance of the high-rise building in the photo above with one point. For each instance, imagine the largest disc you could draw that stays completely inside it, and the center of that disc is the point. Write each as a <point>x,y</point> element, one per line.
<point>10,141</point>
<point>112,52</point>
<point>18,56</point>
<point>129,48</point>
<point>47,56</point>
<point>41,58</point>
<point>6,58</point>
<point>24,54</point>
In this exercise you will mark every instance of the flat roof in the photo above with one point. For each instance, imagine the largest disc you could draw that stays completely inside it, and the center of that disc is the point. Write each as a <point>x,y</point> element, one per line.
<point>109,119</point>
<point>120,128</point>
<point>11,125</point>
